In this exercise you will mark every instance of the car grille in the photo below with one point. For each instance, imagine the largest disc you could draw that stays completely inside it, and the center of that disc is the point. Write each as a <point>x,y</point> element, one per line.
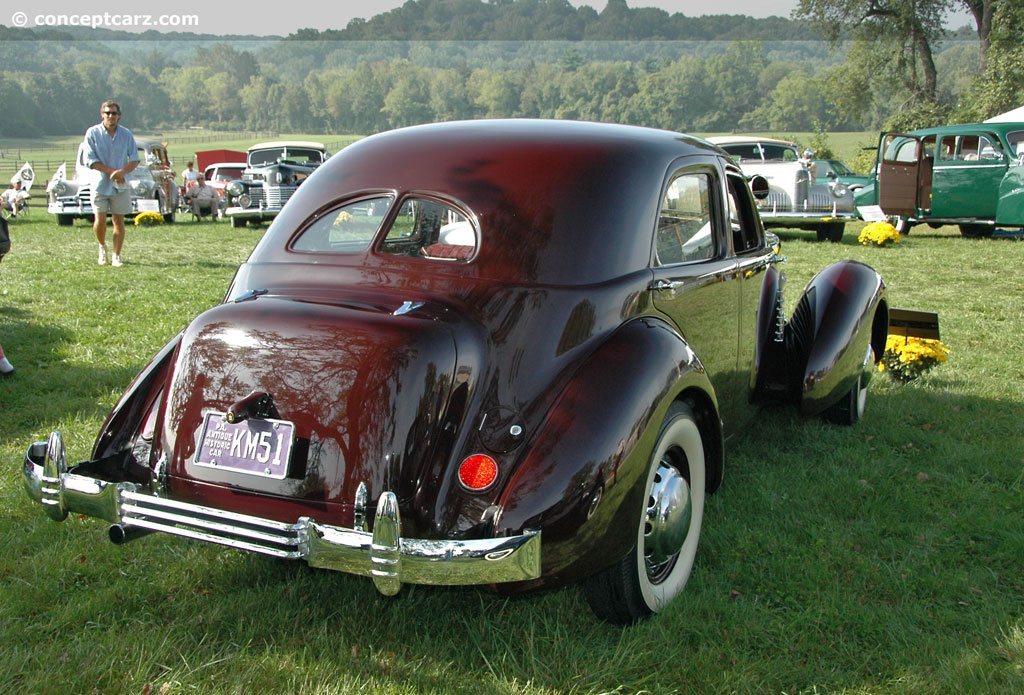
<point>85,196</point>
<point>271,196</point>
<point>817,201</point>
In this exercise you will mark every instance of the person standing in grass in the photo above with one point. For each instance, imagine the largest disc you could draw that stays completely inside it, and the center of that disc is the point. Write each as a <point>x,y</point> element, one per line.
<point>6,368</point>
<point>110,150</point>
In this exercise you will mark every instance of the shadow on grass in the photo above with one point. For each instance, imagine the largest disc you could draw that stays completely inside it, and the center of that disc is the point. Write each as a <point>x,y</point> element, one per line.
<point>47,388</point>
<point>828,551</point>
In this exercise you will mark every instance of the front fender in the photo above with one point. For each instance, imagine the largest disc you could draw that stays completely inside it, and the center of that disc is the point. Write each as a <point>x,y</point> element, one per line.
<point>581,482</point>
<point>1010,208</point>
<point>841,313</point>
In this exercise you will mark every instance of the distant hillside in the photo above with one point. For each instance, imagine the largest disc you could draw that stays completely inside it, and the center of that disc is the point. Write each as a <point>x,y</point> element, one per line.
<point>431,60</point>
<point>546,20</point>
<point>481,20</point>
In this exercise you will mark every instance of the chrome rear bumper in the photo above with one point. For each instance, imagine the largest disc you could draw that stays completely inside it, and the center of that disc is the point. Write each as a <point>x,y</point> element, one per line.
<point>382,554</point>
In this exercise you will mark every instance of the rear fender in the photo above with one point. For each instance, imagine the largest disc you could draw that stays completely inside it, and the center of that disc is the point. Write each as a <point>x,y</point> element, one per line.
<point>136,409</point>
<point>841,313</point>
<point>582,480</point>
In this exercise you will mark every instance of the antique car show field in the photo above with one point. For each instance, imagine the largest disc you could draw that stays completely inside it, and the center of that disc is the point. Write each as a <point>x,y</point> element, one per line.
<point>878,558</point>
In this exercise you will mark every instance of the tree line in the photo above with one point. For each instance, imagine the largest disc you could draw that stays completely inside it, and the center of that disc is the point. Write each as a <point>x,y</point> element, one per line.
<point>373,76</point>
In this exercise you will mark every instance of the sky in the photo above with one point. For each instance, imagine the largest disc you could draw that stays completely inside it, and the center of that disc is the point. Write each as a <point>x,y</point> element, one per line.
<point>224,17</point>
<point>283,17</point>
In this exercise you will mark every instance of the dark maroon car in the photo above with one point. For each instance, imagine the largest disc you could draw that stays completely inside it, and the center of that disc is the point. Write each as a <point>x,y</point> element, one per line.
<point>491,352</point>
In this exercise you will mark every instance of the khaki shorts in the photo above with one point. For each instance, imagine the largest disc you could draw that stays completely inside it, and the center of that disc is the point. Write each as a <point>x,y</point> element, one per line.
<point>118,204</point>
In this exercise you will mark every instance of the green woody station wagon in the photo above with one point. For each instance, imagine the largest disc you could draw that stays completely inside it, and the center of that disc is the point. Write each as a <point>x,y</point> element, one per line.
<point>967,175</point>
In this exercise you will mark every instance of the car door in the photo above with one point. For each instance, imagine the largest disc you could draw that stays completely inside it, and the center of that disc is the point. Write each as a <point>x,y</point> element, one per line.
<point>697,281</point>
<point>899,171</point>
<point>968,170</point>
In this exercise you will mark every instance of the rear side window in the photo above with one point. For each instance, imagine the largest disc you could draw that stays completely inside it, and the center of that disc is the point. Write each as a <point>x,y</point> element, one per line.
<point>429,228</point>
<point>968,148</point>
<point>348,228</point>
<point>1016,140</point>
<point>684,225</point>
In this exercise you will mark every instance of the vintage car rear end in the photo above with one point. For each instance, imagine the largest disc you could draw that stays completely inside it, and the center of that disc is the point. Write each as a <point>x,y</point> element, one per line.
<point>453,359</point>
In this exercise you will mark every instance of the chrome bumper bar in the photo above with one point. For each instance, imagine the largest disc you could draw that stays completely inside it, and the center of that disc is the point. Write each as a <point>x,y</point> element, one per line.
<point>382,554</point>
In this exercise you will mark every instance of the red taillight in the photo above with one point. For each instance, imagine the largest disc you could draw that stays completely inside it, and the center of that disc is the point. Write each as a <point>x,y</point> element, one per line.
<point>478,472</point>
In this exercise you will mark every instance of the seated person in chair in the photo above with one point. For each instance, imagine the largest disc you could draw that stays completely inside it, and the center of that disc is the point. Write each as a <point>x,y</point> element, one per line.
<point>203,199</point>
<point>13,199</point>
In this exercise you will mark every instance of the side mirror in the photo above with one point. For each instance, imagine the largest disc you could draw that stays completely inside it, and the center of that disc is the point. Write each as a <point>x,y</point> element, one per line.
<point>759,186</point>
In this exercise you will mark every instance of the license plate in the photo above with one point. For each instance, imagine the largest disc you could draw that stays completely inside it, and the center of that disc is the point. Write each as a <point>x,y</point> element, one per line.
<point>257,447</point>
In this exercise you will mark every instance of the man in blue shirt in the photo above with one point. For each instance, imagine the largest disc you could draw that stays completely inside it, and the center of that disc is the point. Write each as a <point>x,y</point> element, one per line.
<point>110,150</point>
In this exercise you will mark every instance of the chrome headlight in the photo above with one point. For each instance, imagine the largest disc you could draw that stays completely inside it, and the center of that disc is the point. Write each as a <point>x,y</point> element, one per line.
<point>142,188</point>
<point>60,188</point>
<point>244,200</point>
<point>235,188</point>
<point>840,190</point>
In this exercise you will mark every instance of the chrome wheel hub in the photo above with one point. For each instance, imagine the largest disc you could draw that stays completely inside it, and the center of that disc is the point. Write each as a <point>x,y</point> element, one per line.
<point>667,521</point>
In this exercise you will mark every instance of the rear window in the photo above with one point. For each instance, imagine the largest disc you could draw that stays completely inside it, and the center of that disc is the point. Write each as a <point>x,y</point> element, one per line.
<point>422,228</point>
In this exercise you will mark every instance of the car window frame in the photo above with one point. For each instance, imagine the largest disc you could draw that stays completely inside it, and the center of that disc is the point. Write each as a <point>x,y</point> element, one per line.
<point>336,207</point>
<point>431,248</point>
<point>717,213</point>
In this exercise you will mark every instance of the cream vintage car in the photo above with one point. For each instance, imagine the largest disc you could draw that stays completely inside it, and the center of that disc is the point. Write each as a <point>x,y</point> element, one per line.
<point>795,199</point>
<point>152,185</point>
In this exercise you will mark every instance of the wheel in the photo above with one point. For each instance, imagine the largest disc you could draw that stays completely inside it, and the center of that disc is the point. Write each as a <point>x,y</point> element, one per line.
<point>668,528</point>
<point>850,409</point>
<point>902,225</point>
<point>65,220</point>
<point>976,231</point>
<point>833,231</point>
<point>169,218</point>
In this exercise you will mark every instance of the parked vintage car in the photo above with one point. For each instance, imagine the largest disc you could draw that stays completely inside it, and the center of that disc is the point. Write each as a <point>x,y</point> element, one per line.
<point>153,185</point>
<point>273,173</point>
<point>794,200</point>
<point>828,170</point>
<point>220,175</point>
<point>968,175</point>
<point>506,353</point>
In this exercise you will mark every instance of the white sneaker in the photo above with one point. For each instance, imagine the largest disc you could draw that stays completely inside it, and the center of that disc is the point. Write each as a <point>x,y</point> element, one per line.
<point>104,255</point>
<point>115,260</point>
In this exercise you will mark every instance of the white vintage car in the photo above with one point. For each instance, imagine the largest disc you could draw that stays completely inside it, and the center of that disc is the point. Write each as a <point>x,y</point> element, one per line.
<point>794,199</point>
<point>152,184</point>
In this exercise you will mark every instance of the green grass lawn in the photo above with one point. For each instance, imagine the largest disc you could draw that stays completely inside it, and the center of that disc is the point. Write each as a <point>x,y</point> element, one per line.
<point>887,557</point>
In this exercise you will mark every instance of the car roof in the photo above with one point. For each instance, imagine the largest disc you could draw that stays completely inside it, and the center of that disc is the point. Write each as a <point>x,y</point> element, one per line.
<point>563,201</point>
<point>966,128</point>
<point>737,139</point>
<point>288,143</point>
